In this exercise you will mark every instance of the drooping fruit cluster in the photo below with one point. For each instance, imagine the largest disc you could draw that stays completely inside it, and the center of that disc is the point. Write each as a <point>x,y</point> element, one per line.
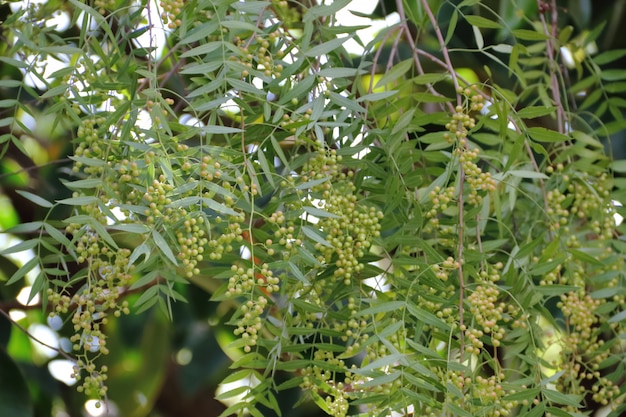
<point>171,12</point>
<point>350,227</point>
<point>258,54</point>
<point>477,180</point>
<point>489,310</point>
<point>324,378</point>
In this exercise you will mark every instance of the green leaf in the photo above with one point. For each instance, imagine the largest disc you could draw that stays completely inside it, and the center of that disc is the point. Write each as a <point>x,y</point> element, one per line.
<point>478,37</point>
<point>585,257</point>
<point>609,56</point>
<point>13,62</point>
<point>323,10</point>
<point>55,91</point>
<point>79,201</point>
<point>8,102</point>
<point>250,6</point>
<point>541,134</point>
<point>267,171</point>
<point>25,228</point>
<point>532,112</point>
<point>395,73</point>
<point>82,184</point>
<point>20,247</point>
<point>607,292</point>
<point>140,250</point>
<point>619,165</point>
<point>562,399</point>
<point>185,202</point>
<point>137,228</point>
<point>24,269</point>
<point>382,307</point>
<point>481,22</point>
<point>314,211</point>
<point>339,72</point>
<point>455,410</point>
<point>219,130</point>
<point>377,96</point>
<point>556,290</point>
<point>59,237</point>
<point>218,207</point>
<point>160,243</point>
<point>430,78</point>
<point>527,174</point>
<point>529,35</point>
<point>8,83</point>
<point>315,235</point>
<point>385,378</point>
<point>101,231</point>
<point>310,184</point>
<point>618,317</point>
<point>452,26</point>
<point>41,202</point>
<point>381,363</point>
<point>427,317</point>
<point>613,75</point>
<point>204,49</point>
<point>326,47</point>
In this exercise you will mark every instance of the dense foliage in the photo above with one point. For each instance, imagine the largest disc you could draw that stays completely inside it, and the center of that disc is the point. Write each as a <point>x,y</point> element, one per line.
<point>429,227</point>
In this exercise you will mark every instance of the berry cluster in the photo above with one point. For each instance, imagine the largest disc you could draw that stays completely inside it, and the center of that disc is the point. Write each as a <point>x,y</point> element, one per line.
<point>258,55</point>
<point>103,5</point>
<point>351,227</point>
<point>484,395</point>
<point>250,323</point>
<point>108,274</point>
<point>476,179</point>
<point>316,377</point>
<point>166,185</point>
<point>244,281</point>
<point>440,200</point>
<point>581,321</point>
<point>171,12</point>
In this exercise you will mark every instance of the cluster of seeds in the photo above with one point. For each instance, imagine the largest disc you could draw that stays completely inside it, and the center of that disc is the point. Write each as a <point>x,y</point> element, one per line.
<point>244,281</point>
<point>335,393</point>
<point>556,211</point>
<point>103,5</point>
<point>171,12</point>
<point>148,184</point>
<point>442,272</point>
<point>483,395</point>
<point>350,228</point>
<point>259,55</point>
<point>349,234</point>
<point>487,311</point>
<point>250,323</point>
<point>580,319</point>
<point>287,14</point>
<point>462,122</point>
<point>89,144</point>
<point>440,200</point>
<point>459,126</point>
<point>583,350</point>
<point>109,273</point>
<point>476,179</point>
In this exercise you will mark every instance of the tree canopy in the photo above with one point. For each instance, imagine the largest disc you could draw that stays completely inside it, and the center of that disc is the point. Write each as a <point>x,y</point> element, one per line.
<point>222,207</point>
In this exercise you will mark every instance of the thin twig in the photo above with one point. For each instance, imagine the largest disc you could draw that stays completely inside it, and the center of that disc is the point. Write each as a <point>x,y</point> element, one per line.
<point>461,230</point>
<point>32,337</point>
<point>417,51</point>
<point>444,50</point>
<point>550,46</point>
